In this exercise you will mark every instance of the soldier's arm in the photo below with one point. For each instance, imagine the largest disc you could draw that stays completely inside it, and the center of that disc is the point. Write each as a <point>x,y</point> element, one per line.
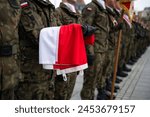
<point>88,14</point>
<point>30,23</point>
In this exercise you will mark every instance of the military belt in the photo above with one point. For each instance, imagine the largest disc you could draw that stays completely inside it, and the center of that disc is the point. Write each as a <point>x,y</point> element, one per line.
<point>8,50</point>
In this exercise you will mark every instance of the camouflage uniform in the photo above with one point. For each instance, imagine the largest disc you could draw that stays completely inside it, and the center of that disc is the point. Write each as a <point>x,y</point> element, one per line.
<point>114,32</point>
<point>129,43</point>
<point>38,83</point>
<point>124,45</point>
<point>64,89</point>
<point>95,15</point>
<point>9,65</point>
<point>134,47</point>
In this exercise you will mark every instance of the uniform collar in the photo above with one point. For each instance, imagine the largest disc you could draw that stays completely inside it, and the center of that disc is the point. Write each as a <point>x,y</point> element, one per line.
<point>110,8</point>
<point>102,2</point>
<point>70,6</point>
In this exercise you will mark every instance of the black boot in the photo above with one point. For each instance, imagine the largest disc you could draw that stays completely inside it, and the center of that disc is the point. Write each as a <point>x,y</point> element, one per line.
<point>108,95</point>
<point>118,80</point>
<point>130,62</point>
<point>122,74</point>
<point>101,94</point>
<point>134,60</point>
<point>109,86</point>
<point>126,69</point>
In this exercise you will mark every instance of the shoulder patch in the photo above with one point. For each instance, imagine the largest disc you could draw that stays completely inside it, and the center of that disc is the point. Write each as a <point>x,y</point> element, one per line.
<point>24,4</point>
<point>89,8</point>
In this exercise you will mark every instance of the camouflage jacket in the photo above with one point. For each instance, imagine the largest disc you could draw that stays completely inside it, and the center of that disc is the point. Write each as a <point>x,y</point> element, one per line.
<point>9,19</point>
<point>114,31</point>
<point>9,66</point>
<point>36,14</point>
<point>66,16</point>
<point>126,33</point>
<point>95,15</point>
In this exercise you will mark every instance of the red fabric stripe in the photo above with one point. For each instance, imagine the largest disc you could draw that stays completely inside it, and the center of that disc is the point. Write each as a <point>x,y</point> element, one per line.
<point>25,5</point>
<point>71,49</point>
<point>89,40</point>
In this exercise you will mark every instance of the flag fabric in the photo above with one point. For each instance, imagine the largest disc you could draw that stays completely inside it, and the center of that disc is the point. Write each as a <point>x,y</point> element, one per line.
<point>127,19</point>
<point>24,4</point>
<point>126,6</point>
<point>63,49</point>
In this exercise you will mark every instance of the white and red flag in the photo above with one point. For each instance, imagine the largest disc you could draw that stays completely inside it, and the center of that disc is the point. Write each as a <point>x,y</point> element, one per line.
<point>63,48</point>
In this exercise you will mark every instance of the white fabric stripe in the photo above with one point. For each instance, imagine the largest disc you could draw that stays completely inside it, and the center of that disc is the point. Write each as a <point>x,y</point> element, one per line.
<point>25,3</point>
<point>73,69</point>
<point>48,66</point>
<point>47,45</point>
<point>126,18</point>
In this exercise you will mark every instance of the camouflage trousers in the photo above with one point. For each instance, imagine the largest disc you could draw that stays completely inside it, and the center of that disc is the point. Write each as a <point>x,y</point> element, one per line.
<point>110,64</point>
<point>64,89</point>
<point>106,70</point>
<point>129,50</point>
<point>91,76</point>
<point>37,84</point>
<point>122,55</point>
<point>9,76</point>
<point>134,48</point>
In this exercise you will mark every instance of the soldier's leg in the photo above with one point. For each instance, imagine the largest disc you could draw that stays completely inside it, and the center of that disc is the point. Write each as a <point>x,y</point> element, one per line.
<point>91,77</point>
<point>71,84</point>
<point>121,62</point>
<point>9,76</point>
<point>106,70</point>
<point>104,85</point>
<point>109,64</point>
<point>37,83</point>
<point>60,88</point>
<point>64,89</point>
<point>87,92</point>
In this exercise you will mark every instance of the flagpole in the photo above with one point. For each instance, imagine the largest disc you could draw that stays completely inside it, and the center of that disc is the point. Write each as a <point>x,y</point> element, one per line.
<point>117,50</point>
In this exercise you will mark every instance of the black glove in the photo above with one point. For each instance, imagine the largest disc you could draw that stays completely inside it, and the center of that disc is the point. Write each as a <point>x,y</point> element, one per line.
<point>90,59</point>
<point>88,30</point>
<point>120,26</point>
<point>116,28</point>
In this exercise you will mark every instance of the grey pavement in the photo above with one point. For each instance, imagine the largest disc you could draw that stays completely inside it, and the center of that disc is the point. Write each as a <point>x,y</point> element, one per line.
<point>136,86</point>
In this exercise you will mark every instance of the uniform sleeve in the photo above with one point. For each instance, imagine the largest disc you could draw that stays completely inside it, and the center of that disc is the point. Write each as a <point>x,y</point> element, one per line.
<point>88,14</point>
<point>31,22</point>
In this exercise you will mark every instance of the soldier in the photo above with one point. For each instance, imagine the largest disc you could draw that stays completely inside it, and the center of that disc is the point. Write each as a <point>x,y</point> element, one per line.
<point>95,14</point>
<point>38,83</point>
<point>121,64</point>
<point>115,26</point>
<point>66,13</point>
<point>9,66</point>
<point>135,41</point>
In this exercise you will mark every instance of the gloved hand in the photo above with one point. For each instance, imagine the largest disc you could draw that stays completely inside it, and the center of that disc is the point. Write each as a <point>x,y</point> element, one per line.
<point>120,26</point>
<point>90,59</point>
<point>88,30</point>
<point>116,28</point>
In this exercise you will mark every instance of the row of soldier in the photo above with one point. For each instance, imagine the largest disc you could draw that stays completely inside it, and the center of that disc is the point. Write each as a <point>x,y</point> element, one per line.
<point>21,76</point>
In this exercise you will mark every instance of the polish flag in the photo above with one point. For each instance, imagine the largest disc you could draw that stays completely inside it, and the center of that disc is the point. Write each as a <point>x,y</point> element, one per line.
<point>24,4</point>
<point>63,48</point>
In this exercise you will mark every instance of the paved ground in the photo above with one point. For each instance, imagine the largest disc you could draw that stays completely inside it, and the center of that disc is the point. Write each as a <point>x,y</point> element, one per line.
<point>134,87</point>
